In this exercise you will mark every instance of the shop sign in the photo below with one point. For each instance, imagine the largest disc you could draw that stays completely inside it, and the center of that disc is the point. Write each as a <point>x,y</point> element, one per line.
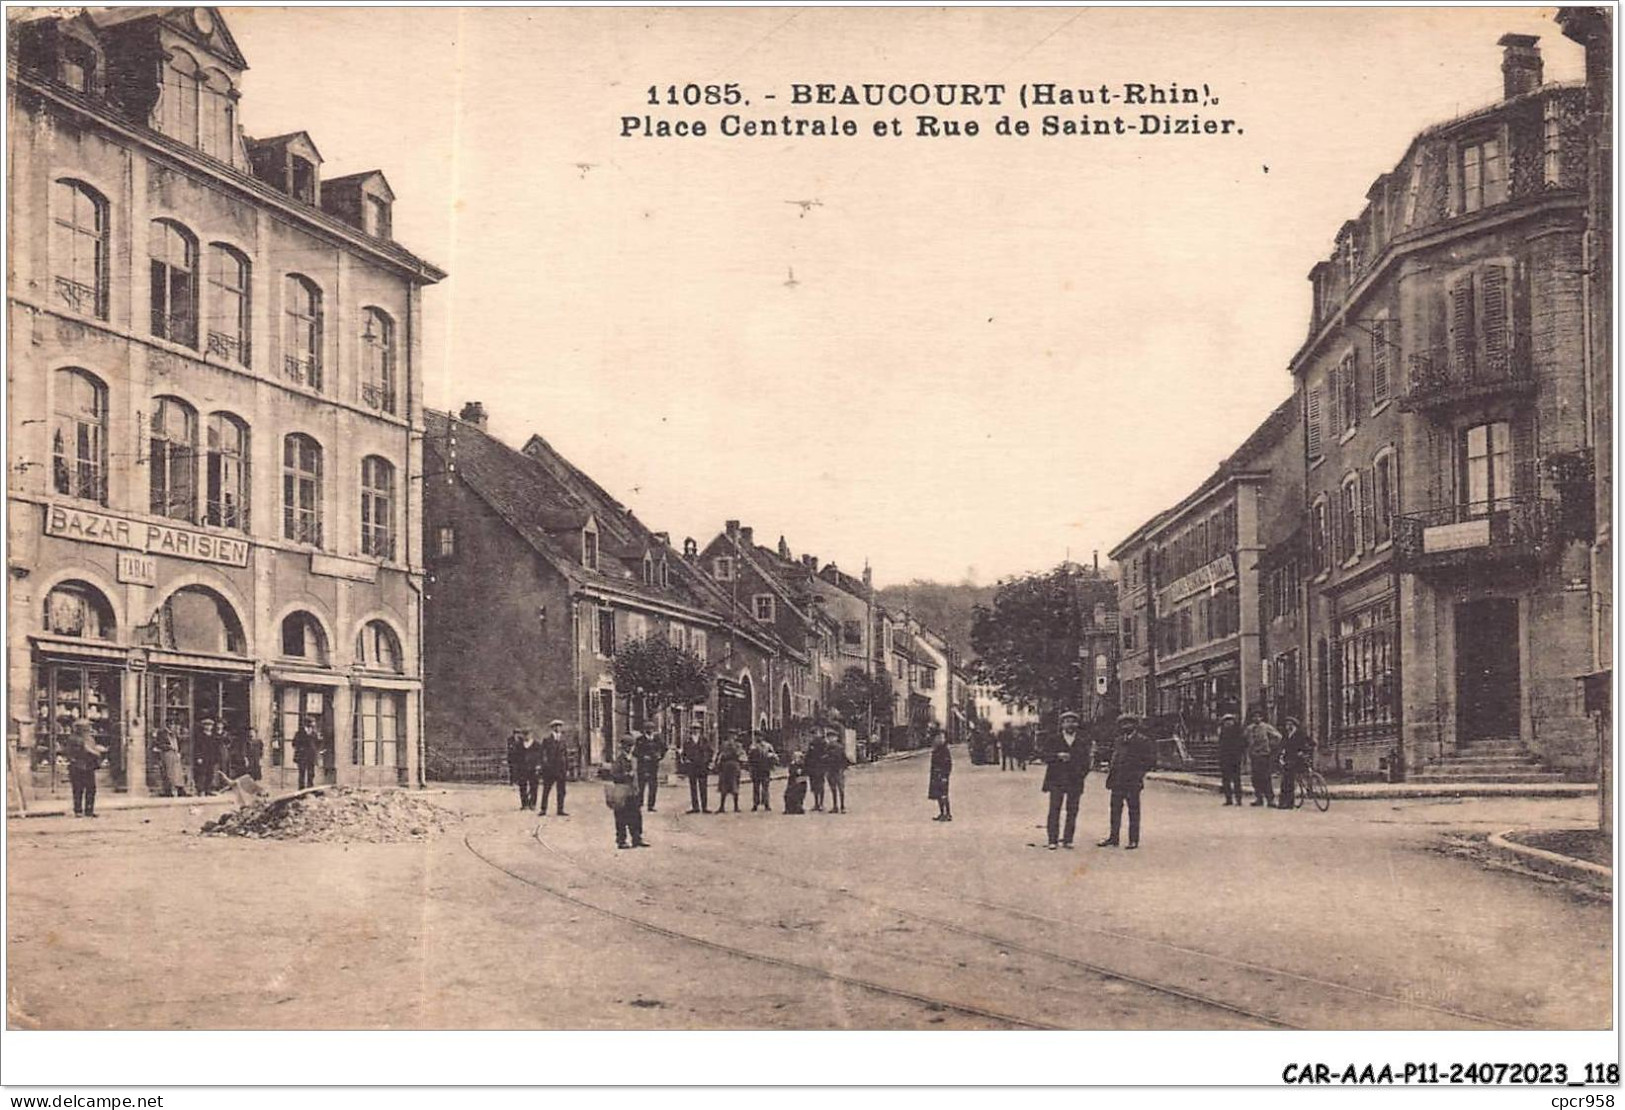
<point>112,530</point>
<point>137,569</point>
<point>1456,537</point>
<point>1202,578</point>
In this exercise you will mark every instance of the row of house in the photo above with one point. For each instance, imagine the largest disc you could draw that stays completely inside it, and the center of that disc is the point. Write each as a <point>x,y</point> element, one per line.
<point>215,416</point>
<point>539,578</point>
<point>1409,553</point>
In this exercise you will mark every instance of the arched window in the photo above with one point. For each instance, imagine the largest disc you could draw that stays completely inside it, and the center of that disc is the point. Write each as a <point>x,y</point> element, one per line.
<point>302,331</point>
<point>377,649</point>
<point>378,361</point>
<point>377,507</point>
<point>180,98</point>
<point>79,247</point>
<point>78,609</point>
<point>226,496</point>
<point>218,114</point>
<point>172,459</point>
<point>79,436</point>
<point>302,638</point>
<point>301,489</point>
<point>228,304</point>
<point>173,254</point>
<point>195,618</point>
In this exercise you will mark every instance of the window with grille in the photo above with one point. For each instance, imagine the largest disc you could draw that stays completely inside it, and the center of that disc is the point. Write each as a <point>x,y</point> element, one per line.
<point>228,304</point>
<point>172,255</point>
<point>377,507</point>
<point>172,459</point>
<point>79,436</point>
<point>301,489</point>
<point>225,503</point>
<point>378,361</point>
<point>79,248</point>
<point>302,332</point>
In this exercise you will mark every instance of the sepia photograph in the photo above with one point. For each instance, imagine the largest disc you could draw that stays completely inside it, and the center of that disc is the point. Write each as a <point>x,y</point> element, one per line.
<point>1125,491</point>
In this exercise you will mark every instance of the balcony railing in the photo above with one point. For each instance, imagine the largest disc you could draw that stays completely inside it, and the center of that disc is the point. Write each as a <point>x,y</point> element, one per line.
<point>1435,381</point>
<point>78,296</point>
<point>379,397</point>
<point>177,327</point>
<point>1510,530</point>
<point>234,347</point>
<point>302,370</point>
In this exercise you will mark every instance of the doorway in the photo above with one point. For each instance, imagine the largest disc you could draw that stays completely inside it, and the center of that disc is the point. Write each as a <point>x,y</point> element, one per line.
<point>1488,691</point>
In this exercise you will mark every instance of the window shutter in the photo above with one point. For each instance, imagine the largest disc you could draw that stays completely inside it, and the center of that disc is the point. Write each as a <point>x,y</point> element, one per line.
<point>1351,388</point>
<point>1493,318</point>
<point>1379,362</point>
<point>1313,407</point>
<point>1368,520</point>
<point>1462,337</point>
<point>1334,402</point>
<point>1525,466</point>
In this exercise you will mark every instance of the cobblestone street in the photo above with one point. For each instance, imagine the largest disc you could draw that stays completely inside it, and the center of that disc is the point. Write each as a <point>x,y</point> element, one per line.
<point>1368,916</point>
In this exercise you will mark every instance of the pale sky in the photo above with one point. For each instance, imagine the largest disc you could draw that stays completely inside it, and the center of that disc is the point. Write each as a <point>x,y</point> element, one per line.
<point>998,349</point>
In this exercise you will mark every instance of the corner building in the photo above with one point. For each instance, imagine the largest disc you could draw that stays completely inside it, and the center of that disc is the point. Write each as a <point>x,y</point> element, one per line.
<point>215,416</point>
<point>1448,435</point>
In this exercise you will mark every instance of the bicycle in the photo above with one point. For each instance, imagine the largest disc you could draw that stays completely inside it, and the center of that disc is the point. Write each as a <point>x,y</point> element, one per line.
<point>1309,784</point>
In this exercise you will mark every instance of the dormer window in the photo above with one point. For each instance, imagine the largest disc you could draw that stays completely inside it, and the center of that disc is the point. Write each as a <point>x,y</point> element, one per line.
<point>377,217</point>
<point>648,570</point>
<point>589,549</point>
<point>76,67</point>
<point>302,180</point>
<point>665,572</point>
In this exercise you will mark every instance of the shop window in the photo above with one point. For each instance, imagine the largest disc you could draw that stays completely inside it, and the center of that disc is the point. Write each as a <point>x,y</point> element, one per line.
<point>196,619</point>
<point>79,247</point>
<point>377,733</point>
<point>378,361</point>
<point>225,503</point>
<point>301,489</point>
<point>1367,688</point>
<point>377,648</point>
<point>79,436</point>
<point>172,257</point>
<point>377,507</point>
<point>172,459</point>
<point>229,317</point>
<point>302,638</point>
<point>302,332</point>
<point>78,609</point>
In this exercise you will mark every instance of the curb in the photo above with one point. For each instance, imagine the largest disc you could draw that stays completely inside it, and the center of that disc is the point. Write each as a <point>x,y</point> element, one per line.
<point>1553,863</point>
<point>1360,792</point>
<point>63,809</point>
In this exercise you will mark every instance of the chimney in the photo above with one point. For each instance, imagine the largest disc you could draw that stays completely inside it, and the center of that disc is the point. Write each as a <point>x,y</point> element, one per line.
<point>1520,64</point>
<point>691,549</point>
<point>663,538</point>
<point>473,413</point>
<point>732,528</point>
<point>784,550</point>
<point>868,576</point>
<point>747,536</point>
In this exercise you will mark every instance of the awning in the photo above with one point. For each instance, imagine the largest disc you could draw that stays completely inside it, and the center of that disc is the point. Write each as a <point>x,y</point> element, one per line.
<point>65,646</point>
<point>196,661</point>
<point>307,678</point>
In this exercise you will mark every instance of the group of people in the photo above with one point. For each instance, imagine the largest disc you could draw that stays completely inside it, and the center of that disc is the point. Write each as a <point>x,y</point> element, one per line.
<point>219,756</point>
<point>1265,749</point>
<point>540,765</point>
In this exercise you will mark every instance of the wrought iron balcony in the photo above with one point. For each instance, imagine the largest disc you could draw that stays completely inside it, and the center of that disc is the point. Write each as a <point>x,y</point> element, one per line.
<point>302,370</point>
<point>1510,531</point>
<point>376,396</point>
<point>79,296</point>
<point>177,327</point>
<point>1435,381</point>
<point>234,347</point>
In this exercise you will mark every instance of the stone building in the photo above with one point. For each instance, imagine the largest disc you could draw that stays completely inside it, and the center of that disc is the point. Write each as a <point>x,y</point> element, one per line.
<point>215,414</point>
<point>1446,451</point>
<point>539,579</point>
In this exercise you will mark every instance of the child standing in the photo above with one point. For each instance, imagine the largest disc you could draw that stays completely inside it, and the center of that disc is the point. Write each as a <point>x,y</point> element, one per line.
<point>942,765</point>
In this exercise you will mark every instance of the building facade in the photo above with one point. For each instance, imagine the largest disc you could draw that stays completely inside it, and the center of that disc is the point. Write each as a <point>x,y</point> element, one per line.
<point>215,418</point>
<point>1446,445</point>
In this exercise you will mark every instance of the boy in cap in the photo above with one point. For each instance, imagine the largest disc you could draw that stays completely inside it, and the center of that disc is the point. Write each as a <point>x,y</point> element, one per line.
<point>1066,760</point>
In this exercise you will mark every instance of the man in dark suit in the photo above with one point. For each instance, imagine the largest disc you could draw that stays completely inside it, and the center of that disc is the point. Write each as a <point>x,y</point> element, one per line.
<point>697,766</point>
<point>1066,759</point>
<point>1133,755</point>
<point>649,749</point>
<point>1232,750</point>
<point>554,766</point>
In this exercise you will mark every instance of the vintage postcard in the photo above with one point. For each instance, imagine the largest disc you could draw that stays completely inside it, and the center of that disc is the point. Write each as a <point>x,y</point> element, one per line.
<point>820,519</point>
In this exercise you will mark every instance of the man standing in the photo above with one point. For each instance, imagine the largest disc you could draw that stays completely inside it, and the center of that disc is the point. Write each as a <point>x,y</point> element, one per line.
<point>625,798</point>
<point>835,765</point>
<point>761,759</point>
<point>254,753</point>
<point>729,756</point>
<point>525,766</point>
<point>1263,742</point>
<point>697,766</point>
<point>1133,755</point>
<point>1297,752</point>
<point>553,764</point>
<point>1007,748</point>
<point>815,769</point>
<point>168,746</point>
<point>1066,761</point>
<point>84,757</point>
<point>307,744</point>
<point>649,749</point>
<point>1232,748</point>
<point>206,753</point>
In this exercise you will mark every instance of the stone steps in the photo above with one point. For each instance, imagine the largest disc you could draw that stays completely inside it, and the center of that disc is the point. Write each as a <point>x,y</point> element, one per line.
<point>1493,759</point>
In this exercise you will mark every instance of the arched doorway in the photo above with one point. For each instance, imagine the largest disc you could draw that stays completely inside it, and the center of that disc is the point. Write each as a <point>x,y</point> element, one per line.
<point>74,681</point>
<point>784,707</point>
<point>198,685</point>
<point>749,707</point>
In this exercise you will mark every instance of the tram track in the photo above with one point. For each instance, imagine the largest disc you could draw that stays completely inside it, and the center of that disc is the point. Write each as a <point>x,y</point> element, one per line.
<point>1094,971</point>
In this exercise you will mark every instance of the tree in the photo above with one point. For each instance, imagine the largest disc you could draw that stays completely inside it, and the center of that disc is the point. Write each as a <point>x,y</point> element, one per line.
<point>1026,643</point>
<point>857,695</point>
<point>661,672</point>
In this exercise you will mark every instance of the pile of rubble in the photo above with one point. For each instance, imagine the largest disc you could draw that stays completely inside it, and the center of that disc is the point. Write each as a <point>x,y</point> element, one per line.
<point>336,813</point>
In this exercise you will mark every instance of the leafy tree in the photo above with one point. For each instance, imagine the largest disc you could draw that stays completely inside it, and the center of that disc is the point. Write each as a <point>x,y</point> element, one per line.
<point>856,695</point>
<point>661,672</point>
<point>1026,642</point>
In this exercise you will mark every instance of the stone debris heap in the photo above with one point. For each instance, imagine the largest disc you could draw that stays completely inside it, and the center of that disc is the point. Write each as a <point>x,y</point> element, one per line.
<point>336,813</point>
